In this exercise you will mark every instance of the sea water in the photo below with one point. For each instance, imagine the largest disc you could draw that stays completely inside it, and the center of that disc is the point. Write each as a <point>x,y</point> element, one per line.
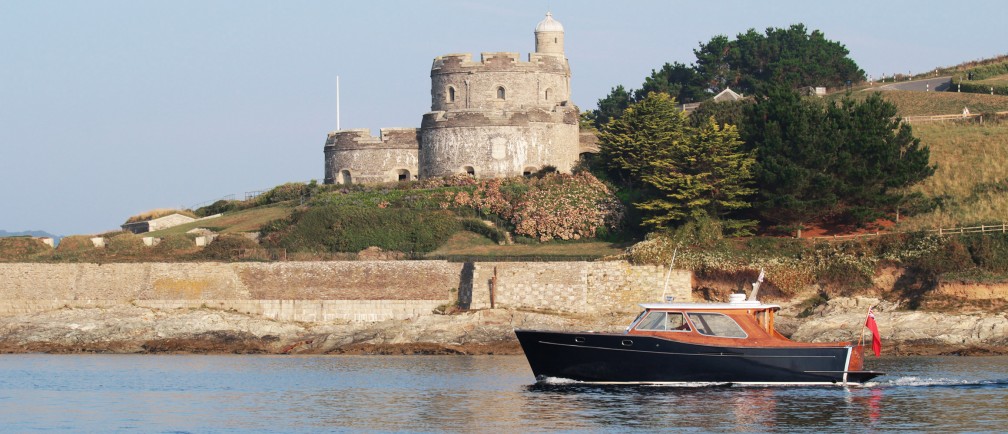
<point>194,393</point>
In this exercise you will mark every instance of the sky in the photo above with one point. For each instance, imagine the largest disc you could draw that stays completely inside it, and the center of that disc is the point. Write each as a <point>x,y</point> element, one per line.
<point>112,108</point>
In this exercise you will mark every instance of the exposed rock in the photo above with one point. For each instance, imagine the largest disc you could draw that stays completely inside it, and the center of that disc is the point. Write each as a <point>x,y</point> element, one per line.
<point>134,329</point>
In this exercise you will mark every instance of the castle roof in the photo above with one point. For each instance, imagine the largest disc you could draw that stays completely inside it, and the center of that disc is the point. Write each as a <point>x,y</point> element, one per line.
<point>548,24</point>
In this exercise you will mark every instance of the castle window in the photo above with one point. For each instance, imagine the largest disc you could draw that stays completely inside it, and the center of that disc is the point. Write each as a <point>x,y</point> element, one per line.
<point>451,94</point>
<point>470,171</point>
<point>404,175</point>
<point>547,94</point>
<point>500,92</point>
<point>345,177</point>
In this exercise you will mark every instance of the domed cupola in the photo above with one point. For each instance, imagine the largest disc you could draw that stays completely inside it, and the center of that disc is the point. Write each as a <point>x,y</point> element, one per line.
<point>549,36</point>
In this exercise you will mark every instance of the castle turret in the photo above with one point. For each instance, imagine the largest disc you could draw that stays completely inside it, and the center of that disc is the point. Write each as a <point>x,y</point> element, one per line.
<point>549,36</point>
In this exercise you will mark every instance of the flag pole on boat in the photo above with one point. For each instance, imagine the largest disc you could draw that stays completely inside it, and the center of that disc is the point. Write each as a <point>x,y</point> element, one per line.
<point>668,275</point>
<point>756,285</point>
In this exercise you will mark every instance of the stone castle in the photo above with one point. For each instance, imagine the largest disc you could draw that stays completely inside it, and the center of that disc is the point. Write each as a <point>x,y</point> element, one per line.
<point>498,117</point>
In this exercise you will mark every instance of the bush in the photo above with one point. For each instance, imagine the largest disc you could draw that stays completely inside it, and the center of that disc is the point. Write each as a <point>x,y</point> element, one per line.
<point>175,244</point>
<point>989,252</point>
<point>352,229</point>
<point>283,193</point>
<point>225,246</point>
<point>950,257</point>
<point>126,244</point>
<point>20,248</point>
<point>478,226</point>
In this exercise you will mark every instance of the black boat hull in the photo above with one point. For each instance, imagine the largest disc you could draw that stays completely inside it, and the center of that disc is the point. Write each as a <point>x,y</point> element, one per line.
<point>620,358</point>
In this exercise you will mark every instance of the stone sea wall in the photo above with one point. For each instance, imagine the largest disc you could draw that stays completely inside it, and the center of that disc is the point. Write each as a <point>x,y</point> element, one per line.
<point>339,290</point>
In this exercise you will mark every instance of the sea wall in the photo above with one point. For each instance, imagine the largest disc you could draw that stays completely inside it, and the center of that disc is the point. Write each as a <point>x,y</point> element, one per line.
<point>338,290</point>
<point>581,287</point>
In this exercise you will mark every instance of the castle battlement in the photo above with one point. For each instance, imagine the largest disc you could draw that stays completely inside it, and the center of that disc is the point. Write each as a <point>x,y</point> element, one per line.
<point>496,61</point>
<point>561,114</point>
<point>361,138</point>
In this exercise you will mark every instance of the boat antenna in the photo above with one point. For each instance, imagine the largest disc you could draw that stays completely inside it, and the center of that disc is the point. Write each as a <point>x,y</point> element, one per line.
<point>756,285</point>
<point>669,274</point>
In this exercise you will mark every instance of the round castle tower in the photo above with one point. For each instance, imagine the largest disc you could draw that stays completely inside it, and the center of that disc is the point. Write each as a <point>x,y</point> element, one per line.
<point>501,116</point>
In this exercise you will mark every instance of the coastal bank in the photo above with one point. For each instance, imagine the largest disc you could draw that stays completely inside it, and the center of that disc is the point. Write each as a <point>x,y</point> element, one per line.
<point>397,307</point>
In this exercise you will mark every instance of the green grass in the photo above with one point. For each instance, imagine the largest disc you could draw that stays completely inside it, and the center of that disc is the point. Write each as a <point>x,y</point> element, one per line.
<point>998,80</point>
<point>972,173</point>
<point>248,220</point>
<point>910,103</point>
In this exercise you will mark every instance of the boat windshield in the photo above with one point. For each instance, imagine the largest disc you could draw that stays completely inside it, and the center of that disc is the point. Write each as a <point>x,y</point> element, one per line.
<point>716,324</point>
<point>664,321</point>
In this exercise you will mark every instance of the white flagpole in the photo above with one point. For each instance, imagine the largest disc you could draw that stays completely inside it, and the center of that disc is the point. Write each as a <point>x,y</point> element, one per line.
<point>337,104</point>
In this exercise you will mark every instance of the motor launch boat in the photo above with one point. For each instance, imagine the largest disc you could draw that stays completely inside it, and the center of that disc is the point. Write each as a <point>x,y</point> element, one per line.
<point>732,342</point>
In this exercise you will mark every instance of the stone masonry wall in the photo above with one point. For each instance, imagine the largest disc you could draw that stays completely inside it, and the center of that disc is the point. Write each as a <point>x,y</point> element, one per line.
<point>339,290</point>
<point>583,287</point>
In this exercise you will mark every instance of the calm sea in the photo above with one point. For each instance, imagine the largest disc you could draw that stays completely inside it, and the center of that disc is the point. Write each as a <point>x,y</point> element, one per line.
<point>185,393</point>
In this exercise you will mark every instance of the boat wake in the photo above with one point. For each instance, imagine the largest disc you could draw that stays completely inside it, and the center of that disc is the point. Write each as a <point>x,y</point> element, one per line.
<point>912,381</point>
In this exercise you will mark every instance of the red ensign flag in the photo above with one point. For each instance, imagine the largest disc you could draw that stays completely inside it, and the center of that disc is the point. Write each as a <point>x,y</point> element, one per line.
<point>876,342</point>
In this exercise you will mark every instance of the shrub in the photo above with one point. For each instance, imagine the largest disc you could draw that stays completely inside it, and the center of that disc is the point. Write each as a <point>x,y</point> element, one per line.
<point>175,244</point>
<point>125,244</point>
<point>225,246</point>
<point>283,193</point>
<point>989,252</point>
<point>20,248</point>
<point>949,257</point>
<point>352,229</point>
<point>478,226</point>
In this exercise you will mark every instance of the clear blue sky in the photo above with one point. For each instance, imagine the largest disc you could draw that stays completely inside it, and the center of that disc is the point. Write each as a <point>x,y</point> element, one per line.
<point>111,108</point>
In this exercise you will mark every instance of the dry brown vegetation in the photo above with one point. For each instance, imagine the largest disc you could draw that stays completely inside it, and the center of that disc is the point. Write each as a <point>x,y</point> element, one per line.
<point>972,175</point>
<point>911,103</point>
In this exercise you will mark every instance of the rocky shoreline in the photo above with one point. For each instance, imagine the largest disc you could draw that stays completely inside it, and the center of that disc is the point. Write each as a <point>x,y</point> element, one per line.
<point>141,330</point>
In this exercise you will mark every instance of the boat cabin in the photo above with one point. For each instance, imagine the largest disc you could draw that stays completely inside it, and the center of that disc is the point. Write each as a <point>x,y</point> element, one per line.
<point>738,322</point>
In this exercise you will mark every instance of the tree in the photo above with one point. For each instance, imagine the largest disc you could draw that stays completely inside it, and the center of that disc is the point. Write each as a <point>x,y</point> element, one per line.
<point>677,173</point>
<point>646,132</point>
<point>706,175</point>
<point>753,62</point>
<point>675,79</point>
<point>793,159</point>
<point>878,157</point>
<point>610,107</point>
<point>849,161</point>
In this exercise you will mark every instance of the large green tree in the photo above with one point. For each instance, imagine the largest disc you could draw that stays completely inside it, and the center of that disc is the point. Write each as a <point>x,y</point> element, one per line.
<point>849,161</point>
<point>708,175</point>
<point>646,132</point>
<point>676,79</point>
<point>681,173</point>
<point>791,57</point>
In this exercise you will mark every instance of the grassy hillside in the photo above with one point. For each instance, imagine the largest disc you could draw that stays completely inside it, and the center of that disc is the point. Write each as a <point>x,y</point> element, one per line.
<point>910,103</point>
<point>972,177</point>
<point>248,220</point>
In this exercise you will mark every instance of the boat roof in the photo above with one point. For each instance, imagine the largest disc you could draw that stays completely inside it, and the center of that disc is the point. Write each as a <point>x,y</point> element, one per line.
<point>747,304</point>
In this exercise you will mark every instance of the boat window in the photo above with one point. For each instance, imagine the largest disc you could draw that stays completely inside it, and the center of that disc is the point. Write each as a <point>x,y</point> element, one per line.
<point>716,324</point>
<point>664,321</point>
